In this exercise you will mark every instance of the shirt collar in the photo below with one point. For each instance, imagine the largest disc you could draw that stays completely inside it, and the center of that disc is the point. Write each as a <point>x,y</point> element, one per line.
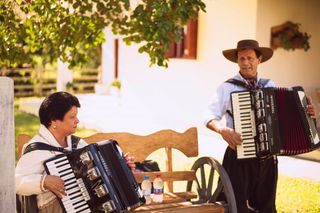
<point>239,77</point>
<point>44,132</point>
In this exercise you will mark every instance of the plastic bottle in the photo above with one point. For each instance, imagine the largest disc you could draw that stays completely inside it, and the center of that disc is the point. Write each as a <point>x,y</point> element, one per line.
<point>146,188</point>
<point>157,190</point>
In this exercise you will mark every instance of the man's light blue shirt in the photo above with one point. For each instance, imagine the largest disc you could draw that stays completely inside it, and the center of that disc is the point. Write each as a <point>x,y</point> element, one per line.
<point>221,103</point>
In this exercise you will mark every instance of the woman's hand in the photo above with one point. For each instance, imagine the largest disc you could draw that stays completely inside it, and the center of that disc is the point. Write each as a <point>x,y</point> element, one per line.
<point>130,161</point>
<point>55,184</point>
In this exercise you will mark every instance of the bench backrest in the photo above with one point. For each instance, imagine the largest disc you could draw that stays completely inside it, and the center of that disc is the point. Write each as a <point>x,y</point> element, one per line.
<point>141,146</point>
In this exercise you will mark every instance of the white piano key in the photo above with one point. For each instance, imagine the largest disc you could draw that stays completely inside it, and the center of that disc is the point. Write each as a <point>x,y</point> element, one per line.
<point>68,176</point>
<point>86,211</point>
<point>71,200</point>
<point>65,167</point>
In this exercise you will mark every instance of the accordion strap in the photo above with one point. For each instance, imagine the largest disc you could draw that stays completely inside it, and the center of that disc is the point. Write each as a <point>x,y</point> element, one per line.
<point>262,82</point>
<point>43,146</point>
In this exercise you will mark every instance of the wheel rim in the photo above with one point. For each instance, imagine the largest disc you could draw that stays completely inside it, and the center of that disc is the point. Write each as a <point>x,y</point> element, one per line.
<point>211,179</point>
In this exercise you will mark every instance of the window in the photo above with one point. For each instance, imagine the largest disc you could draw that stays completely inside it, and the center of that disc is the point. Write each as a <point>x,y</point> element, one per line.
<point>187,47</point>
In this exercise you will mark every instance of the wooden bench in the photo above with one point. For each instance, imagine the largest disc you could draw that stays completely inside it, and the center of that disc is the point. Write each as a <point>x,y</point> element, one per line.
<point>202,185</point>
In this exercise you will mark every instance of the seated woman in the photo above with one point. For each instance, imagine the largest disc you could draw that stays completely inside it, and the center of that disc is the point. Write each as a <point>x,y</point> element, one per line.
<point>58,118</point>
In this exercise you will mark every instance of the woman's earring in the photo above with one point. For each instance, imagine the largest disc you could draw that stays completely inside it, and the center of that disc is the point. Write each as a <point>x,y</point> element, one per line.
<point>54,127</point>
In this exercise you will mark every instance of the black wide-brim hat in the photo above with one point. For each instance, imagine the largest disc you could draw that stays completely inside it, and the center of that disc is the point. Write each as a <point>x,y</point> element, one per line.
<point>231,54</point>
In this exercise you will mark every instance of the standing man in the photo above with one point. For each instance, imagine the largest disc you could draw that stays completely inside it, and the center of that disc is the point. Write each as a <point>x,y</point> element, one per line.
<point>254,181</point>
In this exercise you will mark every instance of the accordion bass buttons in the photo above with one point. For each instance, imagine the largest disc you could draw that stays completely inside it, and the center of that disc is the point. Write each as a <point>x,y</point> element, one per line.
<point>259,95</point>
<point>262,128</point>
<point>108,206</point>
<point>93,173</point>
<point>85,158</point>
<point>259,104</point>
<point>101,190</point>
<point>261,113</point>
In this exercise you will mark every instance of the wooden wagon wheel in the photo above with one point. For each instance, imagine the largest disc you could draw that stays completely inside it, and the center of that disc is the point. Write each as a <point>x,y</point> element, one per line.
<point>211,179</point>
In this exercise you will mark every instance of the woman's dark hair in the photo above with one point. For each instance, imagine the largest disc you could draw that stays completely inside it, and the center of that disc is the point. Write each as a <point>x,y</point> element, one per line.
<point>55,106</point>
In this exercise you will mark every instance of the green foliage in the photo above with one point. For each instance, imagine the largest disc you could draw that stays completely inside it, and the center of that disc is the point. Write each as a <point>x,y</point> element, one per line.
<point>116,83</point>
<point>12,32</point>
<point>68,30</point>
<point>291,37</point>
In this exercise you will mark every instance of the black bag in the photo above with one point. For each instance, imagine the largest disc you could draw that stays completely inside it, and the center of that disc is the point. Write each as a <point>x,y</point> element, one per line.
<point>29,204</point>
<point>147,166</point>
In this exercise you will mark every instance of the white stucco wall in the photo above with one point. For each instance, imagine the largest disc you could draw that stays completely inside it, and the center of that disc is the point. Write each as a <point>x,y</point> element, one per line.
<point>291,68</point>
<point>177,96</point>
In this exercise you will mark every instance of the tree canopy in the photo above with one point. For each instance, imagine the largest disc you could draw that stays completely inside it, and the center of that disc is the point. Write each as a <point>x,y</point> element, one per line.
<point>67,29</point>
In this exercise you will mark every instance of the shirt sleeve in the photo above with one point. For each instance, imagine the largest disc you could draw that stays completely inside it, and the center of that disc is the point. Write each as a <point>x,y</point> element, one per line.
<point>219,105</point>
<point>29,171</point>
<point>270,84</point>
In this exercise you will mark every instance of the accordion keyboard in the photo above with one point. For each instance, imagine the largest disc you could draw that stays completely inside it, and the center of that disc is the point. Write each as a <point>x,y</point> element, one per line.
<point>75,201</point>
<point>244,124</point>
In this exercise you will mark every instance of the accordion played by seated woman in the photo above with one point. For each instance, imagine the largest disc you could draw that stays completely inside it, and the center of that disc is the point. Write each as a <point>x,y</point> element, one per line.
<point>97,179</point>
<point>273,121</point>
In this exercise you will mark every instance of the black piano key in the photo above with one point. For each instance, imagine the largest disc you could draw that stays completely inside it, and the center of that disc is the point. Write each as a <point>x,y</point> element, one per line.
<point>248,146</point>
<point>81,210</point>
<point>70,184</point>
<point>245,119</point>
<point>71,187</point>
<point>75,192</point>
<point>78,206</point>
<point>71,178</point>
<point>65,174</point>
<point>75,196</point>
<point>60,161</point>
<point>64,164</point>
<point>249,151</point>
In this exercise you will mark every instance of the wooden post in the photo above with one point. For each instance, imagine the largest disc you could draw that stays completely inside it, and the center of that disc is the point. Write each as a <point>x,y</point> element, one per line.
<point>169,167</point>
<point>116,57</point>
<point>7,150</point>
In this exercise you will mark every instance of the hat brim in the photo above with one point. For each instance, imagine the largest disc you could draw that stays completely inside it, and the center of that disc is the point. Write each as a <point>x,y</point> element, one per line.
<point>231,54</point>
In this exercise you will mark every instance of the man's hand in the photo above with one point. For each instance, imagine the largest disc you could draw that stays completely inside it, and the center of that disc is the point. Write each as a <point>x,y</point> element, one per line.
<point>231,137</point>
<point>311,110</point>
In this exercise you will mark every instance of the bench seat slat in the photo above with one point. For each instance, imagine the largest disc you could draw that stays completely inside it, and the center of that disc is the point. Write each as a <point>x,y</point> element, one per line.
<point>167,176</point>
<point>182,207</point>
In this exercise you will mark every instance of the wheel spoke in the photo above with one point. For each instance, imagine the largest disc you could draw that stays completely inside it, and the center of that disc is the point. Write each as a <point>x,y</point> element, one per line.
<point>198,186</point>
<point>210,182</point>
<point>203,182</point>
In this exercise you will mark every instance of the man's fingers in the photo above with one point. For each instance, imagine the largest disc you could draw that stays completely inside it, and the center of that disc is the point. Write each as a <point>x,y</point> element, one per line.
<point>309,100</point>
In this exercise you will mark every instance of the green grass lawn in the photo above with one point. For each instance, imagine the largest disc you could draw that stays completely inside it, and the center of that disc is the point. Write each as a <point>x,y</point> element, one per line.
<point>293,195</point>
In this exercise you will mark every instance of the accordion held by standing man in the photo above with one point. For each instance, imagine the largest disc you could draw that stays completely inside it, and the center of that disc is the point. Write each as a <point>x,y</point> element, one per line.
<point>273,121</point>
